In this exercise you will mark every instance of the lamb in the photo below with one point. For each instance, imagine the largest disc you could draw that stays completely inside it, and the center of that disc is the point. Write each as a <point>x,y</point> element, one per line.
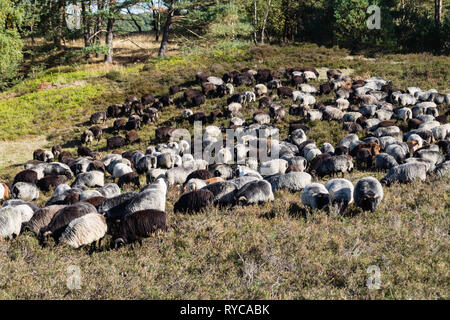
<point>384,161</point>
<point>10,223</point>
<point>84,230</point>
<point>405,173</point>
<point>25,191</point>
<point>98,117</point>
<point>254,192</point>
<point>293,181</point>
<point>368,193</point>
<point>135,226</point>
<point>63,217</point>
<point>194,201</point>
<point>50,182</point>
<point>315,196</point>
<point>341,193</point>
<point>41,218</point>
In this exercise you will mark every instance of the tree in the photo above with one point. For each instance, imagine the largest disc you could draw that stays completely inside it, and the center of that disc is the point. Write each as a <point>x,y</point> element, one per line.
<point>165,38</point>
<point>10,42</point>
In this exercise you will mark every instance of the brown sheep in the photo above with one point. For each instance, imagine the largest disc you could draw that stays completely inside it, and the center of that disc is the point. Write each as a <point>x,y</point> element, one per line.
<point>115,142</point>
<point>284,92</point>
<point>48,183</point>
<point>131,178</point>
<point>132,137</point>
<point>147,99</point>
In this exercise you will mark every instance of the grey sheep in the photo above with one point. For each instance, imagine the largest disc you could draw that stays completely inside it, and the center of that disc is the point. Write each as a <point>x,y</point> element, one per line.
<point>25,191</point>
<point>315,196</point>
<point>384,161</point>
<point>292,181</point>
<point>223,192</point>
<point>341,193</point>
<point>41,218</point>
<point>90,179</point>
<point>368,193</point>
<point>110,190</point>
<point>405,173</point>
<point>114,207</point>
<point>84,230</point>
<point>254,192</point>
<point>10,223</point>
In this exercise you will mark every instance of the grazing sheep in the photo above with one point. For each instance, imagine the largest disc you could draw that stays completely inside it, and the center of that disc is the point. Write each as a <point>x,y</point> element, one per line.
<point>368,193</point>
<point>63,217</point>
<point>314,115</point>
<point>87,137</point>
<point>433,156</point>
<point>331,113</point>
<point>114,207</point>
<point>120,169</point>
<point>25,191</point>
<point>254,192</point>
<point>29,176</point>
<point>50,182</point>
<point>397,151</point>
<point>341,193</point>
<point>131,178</point>
<point>98,117</point>
<point>10,223</point>
<point>260,89</point>
<point>43,155</point>
<point>405,173</point>
<point>292,181</point>
<point>90,179</point>
<point>115,142</point>
<point>41,218</point>
<point>365,156</point>
<point>223,192</point>
<point>110,190</point>
<point>315,196</point>
<point>443,169</point>
<point>272,167</point>
<point>333,165</point>
<point>137,225</point>
<point>153,196</point>
<point>132,137</point>
<point>194,201</point>
<point>384,161</point>
<point>84,230</point>
<point>284,92</point>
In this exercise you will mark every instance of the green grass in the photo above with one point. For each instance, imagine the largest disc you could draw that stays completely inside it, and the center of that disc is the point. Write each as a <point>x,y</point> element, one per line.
<point>256,252</point>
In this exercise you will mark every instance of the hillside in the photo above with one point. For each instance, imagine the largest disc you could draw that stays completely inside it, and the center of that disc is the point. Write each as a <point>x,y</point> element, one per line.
<point>257,252</point>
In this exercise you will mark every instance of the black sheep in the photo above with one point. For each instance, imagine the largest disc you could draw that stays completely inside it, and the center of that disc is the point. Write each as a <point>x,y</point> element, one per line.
<point>115,142</point>
<point>163,134</point>
<point>50,182</point>
<point>98,117</point>
<point>84,151</point>
<point>29,176</point>
<point>56,150</point>
<point>97,131</point>
<point>199,174</point>
<point>114,208</point>
<point>325,88</point>
<point>138,225</point>
<point>198,116</point>
<point>131,178</point>
<point>147,99</point>
<point>284,92</point>
<point>133,124</point>
<point>174,89</point>
<point>194,201</point>
<point>114,111</point>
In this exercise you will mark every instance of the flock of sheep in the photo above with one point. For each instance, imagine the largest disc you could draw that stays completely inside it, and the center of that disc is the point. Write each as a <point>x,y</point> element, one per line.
<point>83,212</point>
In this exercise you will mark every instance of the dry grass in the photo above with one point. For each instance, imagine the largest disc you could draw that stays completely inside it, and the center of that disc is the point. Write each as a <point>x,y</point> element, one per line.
<point>256,252</point>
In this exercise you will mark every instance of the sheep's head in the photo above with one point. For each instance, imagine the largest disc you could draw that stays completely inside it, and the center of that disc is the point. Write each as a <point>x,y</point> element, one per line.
<point>118,243</point>
<point>322,200</point>
<point>242,201</point>
<point>369,201</point>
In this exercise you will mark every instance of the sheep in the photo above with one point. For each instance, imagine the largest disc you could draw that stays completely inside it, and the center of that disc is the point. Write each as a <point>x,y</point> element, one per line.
<point>384,161</point>
<point>272,167</point>
<point>434,156</point>
<point>114,207</point>
<point>334,165</point>
<point>314,115</point>
<point>341,193</point>
<point>25,191</point>
<point>41,218</point>
<point>397,151</point>
<point>29,176</point>
<point>368,193</point>
<point>250,96</point>
<point>153,196</point>
<point>98,117</point>
<point>260,89</point>
<point>50,182</point>
<point>284,92</point>
<point>297,137</point>
<point>443,169</point>
<point>384,115</point>
<point>348,141</point>
<point>293,181</point>
<point>87,137</point>
<point>84,230</point>
<point>234,108</point>
<point>132,137</point>
<point>352,127</point>
<point>441,132</point>
<point>4,191</point>
<point>405,173</point>
<point>387,131</point>
<point>10,223</point>
<point>120,169</point>
<point>135,226</point>
<point>63,217</point>
<point>331,113</point>
<point>315,196</point>
<point>109,190</point>
<point>261,117</point>
<point>129,178</point>
<point>254,192</point>
<point>194,201</point>
<point>115,142</point>
<point>133,124</point>
<point>43,155</point>
<point>223,192</point>
<point>312,153</point>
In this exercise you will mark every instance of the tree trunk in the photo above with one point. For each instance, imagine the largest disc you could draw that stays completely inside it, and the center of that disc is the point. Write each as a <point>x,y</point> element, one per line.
<point>437,13</point>
<point>266,15</point>
<point>59,27</point>
<point>286,20</point>
<point>255,22</point>
<point>99,22</point>
<point>109,40</point>
<point>85,24</point>
<point>158,22</point>
<point>165,38</point>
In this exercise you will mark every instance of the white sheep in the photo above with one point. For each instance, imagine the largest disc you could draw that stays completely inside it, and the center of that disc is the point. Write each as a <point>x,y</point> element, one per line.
<point>120,169</point>
<point>25,191</point>
<point>341,192</point>
<point>315,196</point>
<point>10,222</point>
<point>84,230</point>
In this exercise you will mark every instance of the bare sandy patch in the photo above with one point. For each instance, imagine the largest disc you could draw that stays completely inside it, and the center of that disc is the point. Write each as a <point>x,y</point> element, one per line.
<point>18,152</point>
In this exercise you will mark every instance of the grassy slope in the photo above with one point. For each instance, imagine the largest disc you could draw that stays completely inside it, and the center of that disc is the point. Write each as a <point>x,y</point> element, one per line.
<point>256,252</point>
